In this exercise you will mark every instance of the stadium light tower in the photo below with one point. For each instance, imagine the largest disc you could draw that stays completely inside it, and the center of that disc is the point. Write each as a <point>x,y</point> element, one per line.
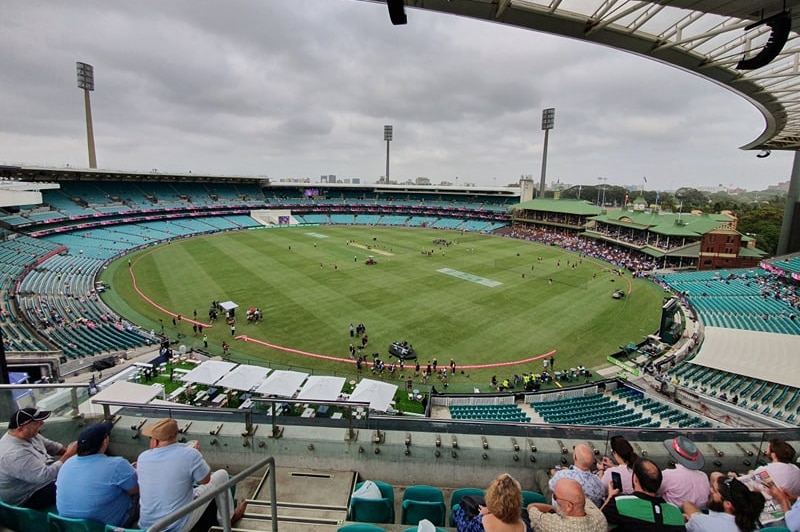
<point>387,136</point>
<point>86,82</point>
<point>602,180</point>
<point>548,122</point>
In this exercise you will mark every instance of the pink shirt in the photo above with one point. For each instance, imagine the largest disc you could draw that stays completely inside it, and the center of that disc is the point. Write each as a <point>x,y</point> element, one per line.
<point>625,474</point>
<point>682,484</point>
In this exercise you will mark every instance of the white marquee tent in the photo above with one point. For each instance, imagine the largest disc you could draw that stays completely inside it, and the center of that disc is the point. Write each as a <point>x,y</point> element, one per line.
<point>319,388</point>
<point>208,372</point>
<point>282,383</point>
<point>244,377</point>
<point>378,394</point>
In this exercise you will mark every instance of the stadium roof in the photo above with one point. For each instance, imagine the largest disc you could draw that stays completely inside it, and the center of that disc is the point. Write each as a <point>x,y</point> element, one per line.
<point>669,224</point>
<point>565,206</point>
<point>770,357</point>
<point>706,37</point>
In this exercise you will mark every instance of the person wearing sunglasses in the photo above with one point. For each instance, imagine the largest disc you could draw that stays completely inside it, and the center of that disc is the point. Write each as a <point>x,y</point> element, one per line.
<point>732,507</point>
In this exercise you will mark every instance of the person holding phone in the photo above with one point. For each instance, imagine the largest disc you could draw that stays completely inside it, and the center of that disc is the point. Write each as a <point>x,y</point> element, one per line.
<point>625,457</point>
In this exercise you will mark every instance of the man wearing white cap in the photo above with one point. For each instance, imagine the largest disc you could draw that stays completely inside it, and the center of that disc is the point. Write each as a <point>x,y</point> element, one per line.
<point>28,469</point>
<point>168,472</point>
<point>687,482</point>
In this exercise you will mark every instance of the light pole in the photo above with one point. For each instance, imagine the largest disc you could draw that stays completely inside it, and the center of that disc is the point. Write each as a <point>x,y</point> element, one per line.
<point>548,122</point>
<point>387,136</point>
<point>86,82</point>
<point>603,186</point>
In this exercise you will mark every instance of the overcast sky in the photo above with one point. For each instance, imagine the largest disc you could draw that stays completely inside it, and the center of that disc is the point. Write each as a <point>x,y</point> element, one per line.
<point>303,88</point>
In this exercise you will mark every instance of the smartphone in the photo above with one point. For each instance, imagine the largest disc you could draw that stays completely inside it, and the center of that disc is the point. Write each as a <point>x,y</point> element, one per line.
<point>616,481</point>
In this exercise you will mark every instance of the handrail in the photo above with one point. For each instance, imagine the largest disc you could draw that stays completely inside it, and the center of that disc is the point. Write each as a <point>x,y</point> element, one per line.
<point>222,505</point>
<point>73,389</point>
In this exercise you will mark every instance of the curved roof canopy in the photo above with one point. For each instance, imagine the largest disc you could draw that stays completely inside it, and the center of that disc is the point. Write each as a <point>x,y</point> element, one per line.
<point>706,37</point>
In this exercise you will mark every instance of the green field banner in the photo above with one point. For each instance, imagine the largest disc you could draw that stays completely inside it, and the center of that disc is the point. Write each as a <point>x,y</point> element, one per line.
<point>624,365</point>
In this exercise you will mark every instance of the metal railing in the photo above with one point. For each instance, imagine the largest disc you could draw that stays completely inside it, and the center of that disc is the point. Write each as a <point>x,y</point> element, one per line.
<point>223,493</point>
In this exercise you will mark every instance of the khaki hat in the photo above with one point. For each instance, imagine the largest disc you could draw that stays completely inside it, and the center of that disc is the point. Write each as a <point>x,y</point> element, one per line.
<point>162,430</point>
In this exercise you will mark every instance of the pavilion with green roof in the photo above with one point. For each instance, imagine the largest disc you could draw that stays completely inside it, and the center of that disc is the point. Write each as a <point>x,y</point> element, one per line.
<point>702,240</point>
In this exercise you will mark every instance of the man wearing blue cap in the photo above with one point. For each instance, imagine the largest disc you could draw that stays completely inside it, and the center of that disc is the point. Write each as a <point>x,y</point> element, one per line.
<point>95,486</point>
<point>29,462</point>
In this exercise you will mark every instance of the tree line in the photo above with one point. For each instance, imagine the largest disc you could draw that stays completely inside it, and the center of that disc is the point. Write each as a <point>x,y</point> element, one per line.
<point>759,214</point>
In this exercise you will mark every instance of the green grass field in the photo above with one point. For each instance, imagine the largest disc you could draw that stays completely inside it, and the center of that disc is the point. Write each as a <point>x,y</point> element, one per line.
<point>311,284</point>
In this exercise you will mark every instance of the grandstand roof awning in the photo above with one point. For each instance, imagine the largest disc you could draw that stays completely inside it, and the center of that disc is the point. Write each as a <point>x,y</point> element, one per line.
<point>565,206</point>
<point>766,356</point>
<point>751,252</point>
<point>653,252</point>
<point>692,251</point>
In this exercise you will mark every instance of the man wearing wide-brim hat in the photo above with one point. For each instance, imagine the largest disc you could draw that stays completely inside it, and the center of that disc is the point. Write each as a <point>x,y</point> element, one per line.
<point>28,467</point>
<point>687,482</point>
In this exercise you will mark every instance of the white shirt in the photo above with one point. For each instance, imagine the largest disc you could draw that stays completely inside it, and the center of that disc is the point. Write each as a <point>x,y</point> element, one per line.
<point>785,475</point>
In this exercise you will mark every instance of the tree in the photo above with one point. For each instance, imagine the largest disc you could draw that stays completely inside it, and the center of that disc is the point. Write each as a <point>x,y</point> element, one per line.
<point>692,199</point>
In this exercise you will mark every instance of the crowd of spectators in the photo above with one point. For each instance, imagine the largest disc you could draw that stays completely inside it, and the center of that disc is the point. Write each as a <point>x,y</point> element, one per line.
<point>632,260</point>
<point>635,494</point>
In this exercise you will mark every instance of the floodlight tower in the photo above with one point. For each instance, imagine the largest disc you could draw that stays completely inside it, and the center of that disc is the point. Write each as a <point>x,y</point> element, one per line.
<point>602,181</point>
<point>86,82</point>
<point>387,136</point>
<point>548,122</point>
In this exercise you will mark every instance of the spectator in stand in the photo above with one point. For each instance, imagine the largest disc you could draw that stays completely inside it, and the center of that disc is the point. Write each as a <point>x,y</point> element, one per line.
<point>168,472</point>
<point>95,486</point>
<point>731,508</point>
<point>644,511</point>
<point>575,512</point>
<point>685,483</point>
<point>790,504</point>
<point>625,456</point>
<point>781,468</point>
<point>581,471</point>
<point>27,471</point>
<point>503,510</point>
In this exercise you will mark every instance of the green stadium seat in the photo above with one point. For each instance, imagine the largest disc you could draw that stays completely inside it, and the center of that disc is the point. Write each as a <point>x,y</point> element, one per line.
<point>360,527</point>
<point>455,498</point>
<point>374,510</point>
<point>22,519</point>
<point>58,523</point>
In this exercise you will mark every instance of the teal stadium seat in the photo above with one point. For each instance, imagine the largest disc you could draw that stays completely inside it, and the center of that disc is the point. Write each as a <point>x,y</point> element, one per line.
<point>21,519</point>
<point>423,502</point>
<point>455,498</point>
<point>58,523</point>
<point>529,497</point>
<point>360,527</point>
<point>374,510</point>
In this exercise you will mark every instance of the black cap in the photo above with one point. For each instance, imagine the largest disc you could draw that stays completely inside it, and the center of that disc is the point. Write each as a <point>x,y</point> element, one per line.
<point>91,439</point>
<point>23,416</point>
